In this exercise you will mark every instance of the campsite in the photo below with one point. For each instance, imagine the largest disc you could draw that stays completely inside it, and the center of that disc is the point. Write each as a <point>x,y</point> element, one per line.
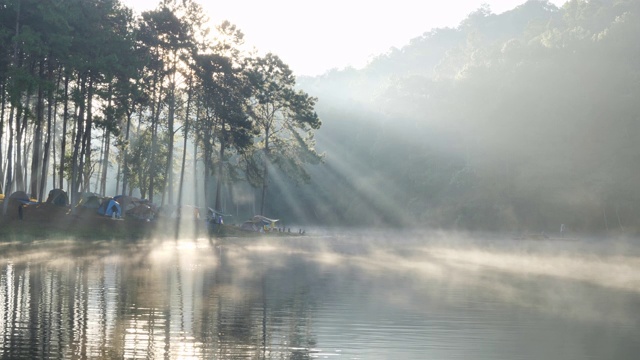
<point>116,218</point>
<point>91,218</point>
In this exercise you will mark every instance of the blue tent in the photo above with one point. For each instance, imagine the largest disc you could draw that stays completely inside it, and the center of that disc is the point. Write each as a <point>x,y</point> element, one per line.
<point>109,207</point>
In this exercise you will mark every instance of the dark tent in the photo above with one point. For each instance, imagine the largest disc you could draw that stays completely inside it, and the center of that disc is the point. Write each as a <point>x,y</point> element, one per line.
<point>141,212</point>
<point>58,197</point>
<point>127,202</point>
<point>20,196</point>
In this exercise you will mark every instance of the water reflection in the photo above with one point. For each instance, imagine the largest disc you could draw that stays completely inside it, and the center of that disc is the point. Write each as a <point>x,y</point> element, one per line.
<point>354,297</point>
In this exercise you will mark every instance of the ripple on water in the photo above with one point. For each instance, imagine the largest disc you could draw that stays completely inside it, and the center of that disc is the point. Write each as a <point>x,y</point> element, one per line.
<point>324,297</point>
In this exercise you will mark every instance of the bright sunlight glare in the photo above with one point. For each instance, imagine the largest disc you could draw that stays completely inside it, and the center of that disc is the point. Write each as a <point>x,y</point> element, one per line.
<point>314,37</point>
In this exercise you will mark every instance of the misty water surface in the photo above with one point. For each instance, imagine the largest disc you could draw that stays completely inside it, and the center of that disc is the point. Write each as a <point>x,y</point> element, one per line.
<point>356,296</point>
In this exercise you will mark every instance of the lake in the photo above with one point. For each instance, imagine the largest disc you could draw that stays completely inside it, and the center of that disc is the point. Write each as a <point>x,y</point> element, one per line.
<point>341,295</point>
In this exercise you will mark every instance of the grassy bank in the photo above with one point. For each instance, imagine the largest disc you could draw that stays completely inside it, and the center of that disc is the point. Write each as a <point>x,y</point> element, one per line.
<point>47,221</point>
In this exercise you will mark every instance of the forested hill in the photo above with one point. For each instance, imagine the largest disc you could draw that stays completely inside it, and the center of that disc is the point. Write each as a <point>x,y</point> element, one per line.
<point>520,121</point>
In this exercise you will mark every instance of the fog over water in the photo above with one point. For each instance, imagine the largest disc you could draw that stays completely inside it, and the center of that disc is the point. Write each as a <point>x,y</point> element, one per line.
<point>515,132</point>
<point>359,295</point>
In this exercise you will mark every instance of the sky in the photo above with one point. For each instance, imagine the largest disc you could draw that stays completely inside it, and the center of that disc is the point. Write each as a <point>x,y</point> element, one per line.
<point>315,36</point>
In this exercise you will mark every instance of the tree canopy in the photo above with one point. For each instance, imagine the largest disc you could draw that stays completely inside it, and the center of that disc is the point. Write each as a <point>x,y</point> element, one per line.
<point>97,99</point>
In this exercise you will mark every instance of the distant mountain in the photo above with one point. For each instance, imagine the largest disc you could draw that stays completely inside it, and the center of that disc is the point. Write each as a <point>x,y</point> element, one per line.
<point>433,54</point>
<point>523,120</point>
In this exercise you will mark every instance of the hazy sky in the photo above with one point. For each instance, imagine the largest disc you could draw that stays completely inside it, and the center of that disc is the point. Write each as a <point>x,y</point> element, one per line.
<point>314,36</point>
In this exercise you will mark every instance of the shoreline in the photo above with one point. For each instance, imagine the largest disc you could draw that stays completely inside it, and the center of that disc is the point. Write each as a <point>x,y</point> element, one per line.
<point>45,221</point>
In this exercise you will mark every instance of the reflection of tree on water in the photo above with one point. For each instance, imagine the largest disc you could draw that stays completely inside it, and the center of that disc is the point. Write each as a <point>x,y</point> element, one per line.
<point>287,299</point>
<point>53,313</point>
<point>153,302</point>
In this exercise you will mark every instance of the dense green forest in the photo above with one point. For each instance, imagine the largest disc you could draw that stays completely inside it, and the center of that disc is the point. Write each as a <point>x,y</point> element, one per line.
<point>96,99</point>
<point>520,121</point>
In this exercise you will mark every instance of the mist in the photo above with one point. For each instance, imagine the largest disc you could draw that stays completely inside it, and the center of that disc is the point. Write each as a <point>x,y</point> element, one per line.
<point>476,198</point>
<point>355,294</point>
<point>518,122</point>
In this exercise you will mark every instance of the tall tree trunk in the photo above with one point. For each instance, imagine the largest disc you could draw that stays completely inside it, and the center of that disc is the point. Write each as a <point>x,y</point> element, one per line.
<point>79,131</point>
<point>170,125</point>
<point>155,118</point>
<point>74,123</point>
<point>21,127</point>
<point>154,107</point>
<point>8,187</point>
<point>154,143</point>
<point>9,175</point>
<point>36,156</point>
<point>96,184</point>
<point>265,174</point>
<point>207,153</point>
<point>153,160</point>
<point>54,155</point>
<point>125,165</point>
<point>218,206</point>
<point>3,99</point>
<point>142,180</point>
<point>196,190</point>
<point>85,160</point>
<point>184,143</point>
<point>26,149</point>
<point>107,142</point>
<point>105,163</point>
<point>65,118</point>
<point>118,173</point>
<point>50,129</point>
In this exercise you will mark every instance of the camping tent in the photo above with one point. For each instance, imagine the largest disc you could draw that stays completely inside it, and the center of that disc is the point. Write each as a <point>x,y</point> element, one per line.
<point>58,197</point>
<point>20,196</point>
<point>127,202</point>
<point>259,223</point>
<point>82,198</point>
<point>92,202</point>
<point>109,207</point>
<point>141,212</point>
